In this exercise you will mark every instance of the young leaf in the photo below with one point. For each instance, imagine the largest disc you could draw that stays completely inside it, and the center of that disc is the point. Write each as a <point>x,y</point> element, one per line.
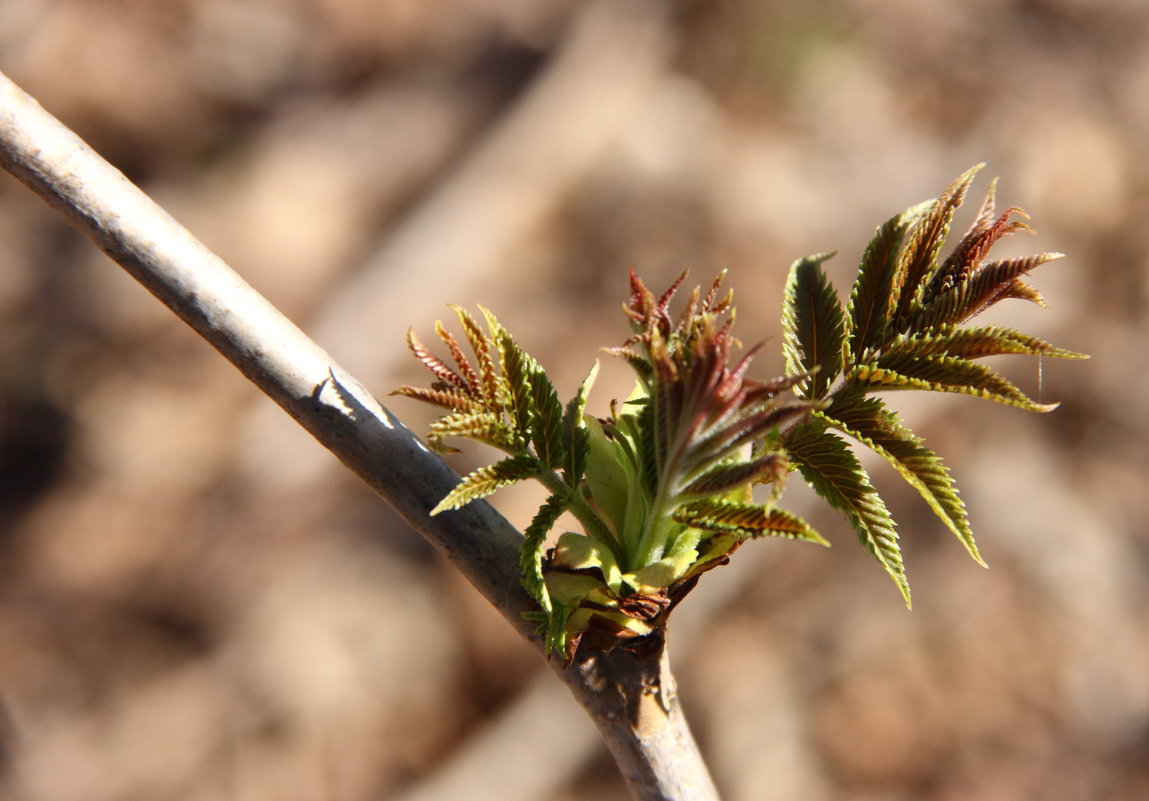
<point>834,472</point>
<point>518,368</point>
<point>546,424</point>
<point>610,476</point>
<point>814,326</point>
<point>745,520</point>
<point>486,480</point>
<point>975,245</point>
<point>576,438</point>
<point>725,477</point>
<point>440,370</point>
<point>741,430</point>
<point>468,373</point>
<point>918,259</point>
<point>976,343</point>
<point>944,374</point>
<point>869,422</point>
<point>445,397</point>
<point>872,298</point>
<point>534,544</point>
<point>994,281</point>
<point>481,346</point>
<point>481,426</point>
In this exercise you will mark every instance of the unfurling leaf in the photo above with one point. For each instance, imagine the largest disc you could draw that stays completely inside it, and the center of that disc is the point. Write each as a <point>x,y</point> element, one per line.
<point>991,283</point>
<point>546,425</point>
<point>481,346</point>
<point>480,426</point>
<point>918,259</point>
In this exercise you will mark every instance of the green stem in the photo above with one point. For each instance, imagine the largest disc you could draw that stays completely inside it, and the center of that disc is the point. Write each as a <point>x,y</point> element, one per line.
<point>591,522</point>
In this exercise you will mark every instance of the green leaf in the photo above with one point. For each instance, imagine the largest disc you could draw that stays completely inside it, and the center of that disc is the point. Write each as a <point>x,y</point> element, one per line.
<point>480,426</point>
<point>534,545</point>
<point>534,403</point>
<point>518,368</point>
<point>814,326</point>
<point>576,438</point>
<point>636,437</point>
<point>486,480</point>
<point>873,296</point>
<point>746,520</point>
<point>834,472</point>
<point>976,343</point>
<point>546,424</point>
<point>869,422</point>
<point>609,477</point>
<point>658,576</point>
<point>918,259</point>
<point>944,374</point>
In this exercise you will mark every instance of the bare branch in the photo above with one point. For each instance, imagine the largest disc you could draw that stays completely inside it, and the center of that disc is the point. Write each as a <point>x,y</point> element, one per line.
<point>630,697</point>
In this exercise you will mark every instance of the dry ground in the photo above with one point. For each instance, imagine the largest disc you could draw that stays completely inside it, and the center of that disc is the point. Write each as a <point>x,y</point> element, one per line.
<point>196,603</point>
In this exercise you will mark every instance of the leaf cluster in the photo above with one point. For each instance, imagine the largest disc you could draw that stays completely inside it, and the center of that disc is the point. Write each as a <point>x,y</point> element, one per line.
<point>901,331</point>
<point>662,487</point>
<point>500,395</point>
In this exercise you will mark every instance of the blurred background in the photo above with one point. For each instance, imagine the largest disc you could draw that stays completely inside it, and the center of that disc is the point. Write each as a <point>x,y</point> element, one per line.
<point>197,602</point>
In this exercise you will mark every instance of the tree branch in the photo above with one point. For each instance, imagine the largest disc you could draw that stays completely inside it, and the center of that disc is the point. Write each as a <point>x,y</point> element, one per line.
<point>629,696</point>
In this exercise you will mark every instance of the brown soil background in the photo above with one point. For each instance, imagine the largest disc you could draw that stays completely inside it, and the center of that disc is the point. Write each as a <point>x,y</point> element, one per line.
<point>197,603</point>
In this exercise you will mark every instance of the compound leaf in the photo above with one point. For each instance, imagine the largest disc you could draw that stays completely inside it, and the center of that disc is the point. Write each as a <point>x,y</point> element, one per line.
<point>481,426</point>
<point>446,397</point>
<point>518,368</point>
<point>725,477</point>
<point>437,367</point>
